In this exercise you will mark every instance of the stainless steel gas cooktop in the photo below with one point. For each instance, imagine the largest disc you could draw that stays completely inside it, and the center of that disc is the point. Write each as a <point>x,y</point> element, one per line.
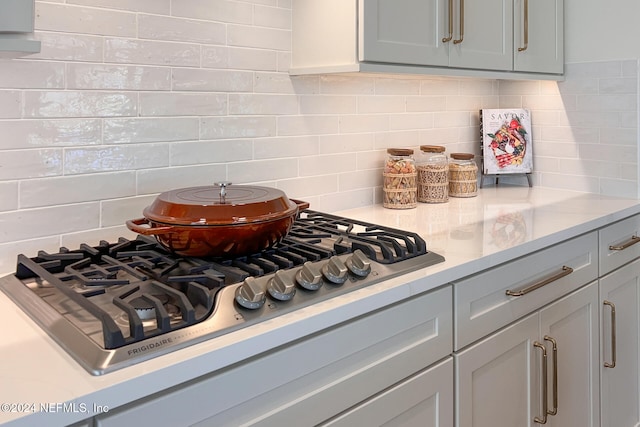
<point>119,303</point>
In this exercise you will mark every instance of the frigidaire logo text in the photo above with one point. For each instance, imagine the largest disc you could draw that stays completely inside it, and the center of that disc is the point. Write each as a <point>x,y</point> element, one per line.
<point>150,346</point>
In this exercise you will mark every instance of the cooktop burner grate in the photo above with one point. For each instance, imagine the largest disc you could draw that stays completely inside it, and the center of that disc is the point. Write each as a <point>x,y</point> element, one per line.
<point>115,295</point>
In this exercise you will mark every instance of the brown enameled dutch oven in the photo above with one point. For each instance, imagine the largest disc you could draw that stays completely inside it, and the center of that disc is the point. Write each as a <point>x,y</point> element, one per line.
<point>218,221</point>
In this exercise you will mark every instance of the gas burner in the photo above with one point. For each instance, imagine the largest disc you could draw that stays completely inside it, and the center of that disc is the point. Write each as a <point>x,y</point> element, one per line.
<point>115,304</point>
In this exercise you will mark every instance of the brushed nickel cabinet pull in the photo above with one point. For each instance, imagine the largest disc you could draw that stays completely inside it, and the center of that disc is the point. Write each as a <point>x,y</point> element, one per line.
<point>450,36</point>
<point>613,335</point>
<point>554,411</point>
<point>634,239</point>
<point>526,27</point>
<point>565,272</point>
<point>545,407</point>
<point>458,41</point>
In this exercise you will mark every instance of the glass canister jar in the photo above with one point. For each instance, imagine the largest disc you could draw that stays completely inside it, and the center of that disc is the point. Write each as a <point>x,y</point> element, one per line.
<point>433,174</point>
<point>399,179</point>
<point>463,175</point>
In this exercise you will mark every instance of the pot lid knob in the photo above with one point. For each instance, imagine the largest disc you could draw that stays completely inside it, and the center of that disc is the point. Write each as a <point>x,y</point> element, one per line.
<point>223,189</point>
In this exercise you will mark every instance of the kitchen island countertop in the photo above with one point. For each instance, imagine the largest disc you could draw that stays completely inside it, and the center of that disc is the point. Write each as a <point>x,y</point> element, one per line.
<point>43,385</point>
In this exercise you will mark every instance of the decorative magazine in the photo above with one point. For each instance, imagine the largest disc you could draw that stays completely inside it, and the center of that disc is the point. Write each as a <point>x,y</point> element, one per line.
<point>506,141</point>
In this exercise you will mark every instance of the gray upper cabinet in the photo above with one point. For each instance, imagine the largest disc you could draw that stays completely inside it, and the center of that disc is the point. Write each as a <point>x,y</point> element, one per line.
<point>492,38</point>
<point>16,28</point>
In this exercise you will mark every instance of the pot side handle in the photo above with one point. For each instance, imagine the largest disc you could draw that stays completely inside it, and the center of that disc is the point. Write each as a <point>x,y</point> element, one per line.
<point>135,225</point>
<point>301,205</point>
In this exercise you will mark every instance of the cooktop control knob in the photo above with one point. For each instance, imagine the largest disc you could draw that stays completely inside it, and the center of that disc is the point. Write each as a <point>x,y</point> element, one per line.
<point>335,271</point>
<point>309,277</point>
<point>359,264</point>
<point>250,294</point>
<point>280,287</point>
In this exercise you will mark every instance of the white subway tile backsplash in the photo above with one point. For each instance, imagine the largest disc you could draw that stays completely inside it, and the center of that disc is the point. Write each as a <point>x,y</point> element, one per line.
<point>23,164</point>
<point>149,6</point>
<point>130,99</point>
<point>263,170</point>
<point>50,133</point>
<point>258,37</point>
<point>214,57</point>
<point>157,27</point>
<point>10,104</point>
<point>150,129</point>
<point>31,74</point>
<point>151,181</point>
<point>132,51</point>
<point>79,104</point>
<point>273,148</point>
<point>328,104</point>
<point>282,83</point>
<point>183,104</point>
<point>117,77</point>
<point>215,151</point>
<point>411,121</point>
<point>252,59</point>
<point>237,127</point>
<point>116,212</point>
<point>381,104</point>
<point>390,86</point>
<point>358,123</point>
<point>74,189</point>
<point>8,195</point>
<point>215,10</point>
<point>212,80</point>
<point>66,18</point>
<point>308,125</point>
<point>346,143</point>
<point>68,47</point>
<point>9,251</point>
<point>50,221</point>
<point>107,158</point>
<point>261,104</point>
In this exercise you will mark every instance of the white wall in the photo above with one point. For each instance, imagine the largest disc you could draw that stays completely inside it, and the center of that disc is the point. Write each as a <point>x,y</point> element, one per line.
<point>597,30</point>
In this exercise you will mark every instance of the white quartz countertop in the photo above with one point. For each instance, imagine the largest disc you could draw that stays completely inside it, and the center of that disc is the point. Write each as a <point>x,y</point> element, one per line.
<point>42,385</point>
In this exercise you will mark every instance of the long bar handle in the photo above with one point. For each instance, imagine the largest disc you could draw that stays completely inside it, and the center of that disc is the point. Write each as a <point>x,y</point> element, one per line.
<point>554,353</point>
<point>545,406</point>
<point>565,272</point>
<point>458,41</point>
<point>450,36</point>
<point>634,239</point>
<point>526,27</point>
<point>613,335</point>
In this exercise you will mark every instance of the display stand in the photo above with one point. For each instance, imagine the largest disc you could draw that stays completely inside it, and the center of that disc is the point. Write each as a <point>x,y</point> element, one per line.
<point>497,178</point>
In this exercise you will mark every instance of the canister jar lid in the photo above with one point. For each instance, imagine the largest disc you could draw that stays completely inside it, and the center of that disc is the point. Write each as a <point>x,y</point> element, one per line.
<point>432,148</point>
<point>462,156</point>
<point>400,151</point>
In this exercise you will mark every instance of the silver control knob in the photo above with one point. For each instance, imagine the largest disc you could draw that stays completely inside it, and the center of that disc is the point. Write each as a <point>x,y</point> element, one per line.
<point>309,277</point>
<point>280,287</point>
<point>335,271</point>
<point>250,294</point>
<point>359,264</point>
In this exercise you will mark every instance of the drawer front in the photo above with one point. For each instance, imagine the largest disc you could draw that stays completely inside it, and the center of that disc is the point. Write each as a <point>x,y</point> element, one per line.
<point>424,400</point>
<point>618,245</point>
<point>482,304</point>
<point>313,379</point>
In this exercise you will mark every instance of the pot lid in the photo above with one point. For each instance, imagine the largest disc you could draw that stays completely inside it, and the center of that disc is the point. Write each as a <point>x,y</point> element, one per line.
<point>222,204</point>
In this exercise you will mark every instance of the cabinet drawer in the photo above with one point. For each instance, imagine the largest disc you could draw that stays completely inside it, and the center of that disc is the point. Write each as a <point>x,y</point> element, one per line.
<point>424,400</point>
<point>617,244</point>
<point>312,379</point>
<point>481,301</point>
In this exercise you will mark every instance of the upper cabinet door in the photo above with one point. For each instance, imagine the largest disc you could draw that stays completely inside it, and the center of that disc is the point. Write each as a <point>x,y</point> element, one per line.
<point>484,34</point>
<point>403,31</point>
<point>542,49</point>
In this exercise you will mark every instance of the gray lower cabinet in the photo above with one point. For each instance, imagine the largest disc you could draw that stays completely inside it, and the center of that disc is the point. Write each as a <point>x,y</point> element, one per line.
<point>356,366</point>
<point>620,323</point>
